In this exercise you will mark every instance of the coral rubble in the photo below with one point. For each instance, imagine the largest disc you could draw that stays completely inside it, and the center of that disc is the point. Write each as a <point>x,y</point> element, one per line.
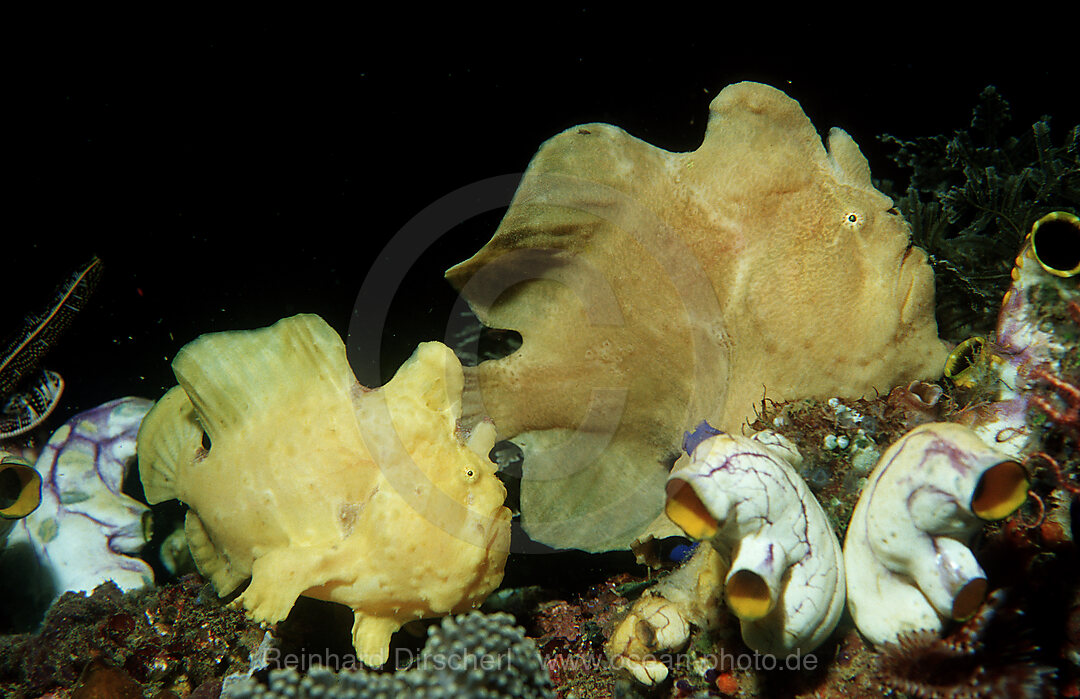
<point>175,638</point>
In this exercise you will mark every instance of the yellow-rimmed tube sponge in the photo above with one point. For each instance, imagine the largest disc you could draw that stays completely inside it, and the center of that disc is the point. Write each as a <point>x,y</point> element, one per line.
<point>20,491</point>
<point>312,484</point>
<point>906,555</point>
<point>1043,272</point>
<point>1055,243</point>
<point>742,494</point>
<point>967,363</point>
<point>1030,340</point>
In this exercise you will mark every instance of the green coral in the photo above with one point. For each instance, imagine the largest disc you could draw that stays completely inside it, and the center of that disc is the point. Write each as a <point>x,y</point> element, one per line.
<point>972,197</point>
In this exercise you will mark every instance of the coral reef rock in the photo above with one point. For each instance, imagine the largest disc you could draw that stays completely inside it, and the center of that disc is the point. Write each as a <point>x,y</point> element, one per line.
<point>158,641</point>
<point>314,485</point>
<point>653,290</point>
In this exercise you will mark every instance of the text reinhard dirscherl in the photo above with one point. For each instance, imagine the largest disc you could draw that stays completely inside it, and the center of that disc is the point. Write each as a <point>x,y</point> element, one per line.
<point>407,659</point>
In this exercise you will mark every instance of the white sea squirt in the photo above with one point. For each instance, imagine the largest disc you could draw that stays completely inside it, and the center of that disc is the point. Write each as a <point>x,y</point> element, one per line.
<point>87,530</point>
<point>908,564</point>
<point>742,494</point>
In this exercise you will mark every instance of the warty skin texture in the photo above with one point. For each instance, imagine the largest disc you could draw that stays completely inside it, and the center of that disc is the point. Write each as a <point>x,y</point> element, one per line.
<point>653,290</point>
<point>315,485</point>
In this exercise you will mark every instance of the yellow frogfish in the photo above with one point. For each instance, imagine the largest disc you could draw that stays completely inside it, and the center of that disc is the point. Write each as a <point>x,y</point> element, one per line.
<point>310,484</point>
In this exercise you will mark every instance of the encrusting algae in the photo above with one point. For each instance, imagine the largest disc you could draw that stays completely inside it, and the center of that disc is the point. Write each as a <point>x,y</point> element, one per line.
<point>314,485</point>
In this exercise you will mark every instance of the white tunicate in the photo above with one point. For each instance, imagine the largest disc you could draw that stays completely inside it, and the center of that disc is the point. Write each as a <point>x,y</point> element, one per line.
<point>87,530</point>
<point>775,535</point>
<point>830,441</point>
<point>908,566</point>
<point>842,441</point>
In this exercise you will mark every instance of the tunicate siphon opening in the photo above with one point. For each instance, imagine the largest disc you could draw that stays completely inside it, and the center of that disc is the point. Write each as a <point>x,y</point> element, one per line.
<point>685,509</point>
<point>969,599</point>
<point>1001,490</point>
<point>927,393</point>
<point>748,595</point>
<point>1055,242</point>
<point>959,363</point>
<point>20,490</point>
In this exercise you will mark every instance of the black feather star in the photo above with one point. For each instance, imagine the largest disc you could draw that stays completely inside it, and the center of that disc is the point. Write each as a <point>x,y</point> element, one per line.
<point>28,393</point>
<point>972,196</point>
